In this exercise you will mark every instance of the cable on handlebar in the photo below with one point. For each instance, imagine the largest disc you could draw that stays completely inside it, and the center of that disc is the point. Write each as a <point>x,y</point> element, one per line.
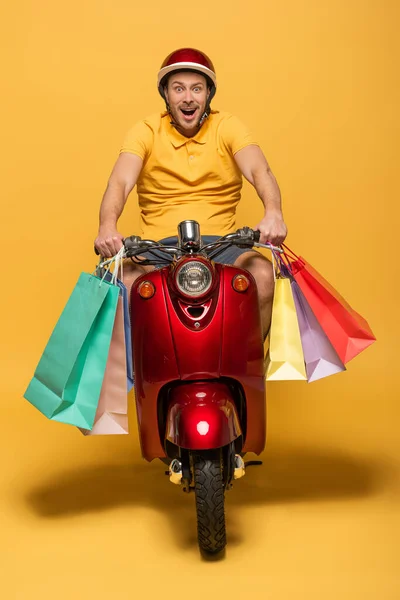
<point>158,259</point>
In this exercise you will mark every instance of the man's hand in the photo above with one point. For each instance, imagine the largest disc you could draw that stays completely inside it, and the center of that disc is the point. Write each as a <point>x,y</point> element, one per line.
<point>272,228</point>
<point>108,241</point>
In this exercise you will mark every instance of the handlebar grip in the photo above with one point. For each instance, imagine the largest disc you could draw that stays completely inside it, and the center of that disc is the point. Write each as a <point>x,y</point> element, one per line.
<point>257,235</point>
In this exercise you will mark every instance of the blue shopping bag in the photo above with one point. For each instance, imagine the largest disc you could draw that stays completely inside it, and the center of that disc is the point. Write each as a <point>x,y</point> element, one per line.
<point>67,382</point>
<point>128,336</point>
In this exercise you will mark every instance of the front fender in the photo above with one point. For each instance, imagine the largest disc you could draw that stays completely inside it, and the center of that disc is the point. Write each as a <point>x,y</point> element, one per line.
<point>202,415</point>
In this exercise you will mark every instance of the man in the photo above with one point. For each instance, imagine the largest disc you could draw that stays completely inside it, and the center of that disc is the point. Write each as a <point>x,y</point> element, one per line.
<point>188,163</point>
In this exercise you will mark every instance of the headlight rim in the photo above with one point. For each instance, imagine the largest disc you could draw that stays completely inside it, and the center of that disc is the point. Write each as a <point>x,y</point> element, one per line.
<point>207,264</point>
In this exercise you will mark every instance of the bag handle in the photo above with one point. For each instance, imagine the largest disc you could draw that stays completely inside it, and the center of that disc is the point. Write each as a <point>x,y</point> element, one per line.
<point>118,266</point>
<point>290,251</point>
<point>274,259</point>
<point>117,261</point>
<point>284,270</point>
<point>290,257</point>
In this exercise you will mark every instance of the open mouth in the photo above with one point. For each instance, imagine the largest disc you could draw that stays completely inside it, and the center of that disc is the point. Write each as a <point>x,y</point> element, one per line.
<point>188,113</point>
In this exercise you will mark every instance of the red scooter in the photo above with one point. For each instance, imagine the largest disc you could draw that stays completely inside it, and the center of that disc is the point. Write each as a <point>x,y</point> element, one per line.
<point>199,368</point>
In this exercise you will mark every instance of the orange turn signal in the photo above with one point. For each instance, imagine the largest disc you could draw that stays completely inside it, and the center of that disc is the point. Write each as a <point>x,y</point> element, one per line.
<point>240,283</point>
<point>146,289</point>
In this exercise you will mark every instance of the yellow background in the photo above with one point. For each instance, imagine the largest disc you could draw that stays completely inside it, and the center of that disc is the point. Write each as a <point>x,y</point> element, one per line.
<point>318,84</point>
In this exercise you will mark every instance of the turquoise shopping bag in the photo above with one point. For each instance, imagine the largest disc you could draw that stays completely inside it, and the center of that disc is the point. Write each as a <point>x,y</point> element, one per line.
<point>67,382</point>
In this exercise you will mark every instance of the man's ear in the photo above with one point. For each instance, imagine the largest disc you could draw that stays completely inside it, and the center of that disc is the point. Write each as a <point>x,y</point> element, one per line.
<point>166,93</point>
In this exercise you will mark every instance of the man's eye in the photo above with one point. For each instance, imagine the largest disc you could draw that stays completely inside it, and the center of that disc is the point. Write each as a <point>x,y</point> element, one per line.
<point>178,89</point>
<point>197,89</point>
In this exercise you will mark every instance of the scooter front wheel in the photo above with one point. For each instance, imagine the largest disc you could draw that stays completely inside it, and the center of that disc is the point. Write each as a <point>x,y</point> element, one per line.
<point>210,501</point>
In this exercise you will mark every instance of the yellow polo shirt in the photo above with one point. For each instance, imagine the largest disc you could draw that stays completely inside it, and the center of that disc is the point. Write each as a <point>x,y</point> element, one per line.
<point>188,178</point>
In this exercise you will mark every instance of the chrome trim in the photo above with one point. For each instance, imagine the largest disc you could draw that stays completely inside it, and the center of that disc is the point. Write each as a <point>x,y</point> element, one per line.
<point>185,267</point>
<point>189,235</point>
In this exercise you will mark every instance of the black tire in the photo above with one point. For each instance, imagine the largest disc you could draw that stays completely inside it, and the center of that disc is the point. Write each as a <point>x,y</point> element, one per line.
<point>210,500</point>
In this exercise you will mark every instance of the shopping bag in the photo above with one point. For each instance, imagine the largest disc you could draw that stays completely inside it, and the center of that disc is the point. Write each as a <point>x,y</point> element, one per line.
<point>128,336</point>
<point>319,355</point>
<point>112,410</point>
<point>127,329</point>
<point>348,332</point>
<point>68,379</point>
<point>285,359</point>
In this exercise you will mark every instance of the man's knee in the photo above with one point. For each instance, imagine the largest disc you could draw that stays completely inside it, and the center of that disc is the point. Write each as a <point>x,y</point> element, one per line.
<point>264,277</point>
<point>262,271</point>
<point>131,271</point>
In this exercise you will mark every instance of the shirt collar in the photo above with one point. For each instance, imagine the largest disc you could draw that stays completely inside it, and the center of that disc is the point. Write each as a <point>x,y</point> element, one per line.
<point>178,140</point>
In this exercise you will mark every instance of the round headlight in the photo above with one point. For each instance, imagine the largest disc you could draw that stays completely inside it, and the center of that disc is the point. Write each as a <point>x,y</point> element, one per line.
<point>193,278</point>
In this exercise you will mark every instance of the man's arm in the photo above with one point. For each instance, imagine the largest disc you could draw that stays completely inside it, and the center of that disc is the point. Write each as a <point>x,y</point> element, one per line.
<point>122,181</point>
<point>255,168</point>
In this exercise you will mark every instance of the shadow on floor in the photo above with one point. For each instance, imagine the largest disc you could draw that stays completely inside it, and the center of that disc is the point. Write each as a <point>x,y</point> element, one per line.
<point>288,474</point>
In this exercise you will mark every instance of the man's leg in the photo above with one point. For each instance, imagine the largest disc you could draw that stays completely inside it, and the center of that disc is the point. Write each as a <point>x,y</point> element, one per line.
<point>131,271</point>
<point>262,271</point>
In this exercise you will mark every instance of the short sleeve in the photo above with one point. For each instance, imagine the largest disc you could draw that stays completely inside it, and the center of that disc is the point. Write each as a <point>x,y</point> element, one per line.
<point>138,140</point>
<point>236,135</point>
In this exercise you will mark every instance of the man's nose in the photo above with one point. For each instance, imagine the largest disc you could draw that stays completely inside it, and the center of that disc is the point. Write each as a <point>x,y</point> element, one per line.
<point>188,96</point>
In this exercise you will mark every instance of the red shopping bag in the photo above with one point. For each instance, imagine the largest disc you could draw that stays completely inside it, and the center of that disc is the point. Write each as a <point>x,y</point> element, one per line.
<point>348,332</point>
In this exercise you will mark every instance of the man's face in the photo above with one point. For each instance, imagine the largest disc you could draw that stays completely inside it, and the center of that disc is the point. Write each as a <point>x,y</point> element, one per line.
<point>187,95</point>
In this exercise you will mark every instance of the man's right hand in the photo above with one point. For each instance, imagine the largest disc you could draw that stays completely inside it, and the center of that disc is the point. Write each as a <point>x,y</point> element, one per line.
<point>108,242</point>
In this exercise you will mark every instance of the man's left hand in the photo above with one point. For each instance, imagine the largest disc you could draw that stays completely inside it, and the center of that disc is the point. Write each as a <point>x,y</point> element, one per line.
<point>272,228</point>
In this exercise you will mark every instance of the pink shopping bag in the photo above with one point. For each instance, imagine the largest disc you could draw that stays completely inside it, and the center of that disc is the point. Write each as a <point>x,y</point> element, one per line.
<point>112,411</point>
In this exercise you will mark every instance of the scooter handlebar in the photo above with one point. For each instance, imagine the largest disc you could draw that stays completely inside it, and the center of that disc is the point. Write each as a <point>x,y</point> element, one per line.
<point>244,236</point>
